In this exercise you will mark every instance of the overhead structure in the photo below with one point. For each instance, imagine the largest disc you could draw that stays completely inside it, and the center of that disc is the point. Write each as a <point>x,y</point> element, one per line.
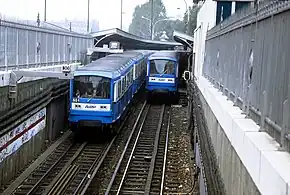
<point>16,75</point>
<point>130,41</point>
<point>184,39</point>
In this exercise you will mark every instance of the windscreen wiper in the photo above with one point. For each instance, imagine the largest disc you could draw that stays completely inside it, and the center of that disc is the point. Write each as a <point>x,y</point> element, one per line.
<point>163,73</point>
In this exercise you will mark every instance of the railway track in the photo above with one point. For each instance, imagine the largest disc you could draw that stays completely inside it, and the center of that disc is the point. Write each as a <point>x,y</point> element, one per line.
<point>140,169</point>
<point>103,177</point>
<point>75,175</point>
<point>41,177</point>
<point>69,169</point>
<point>63,171</point>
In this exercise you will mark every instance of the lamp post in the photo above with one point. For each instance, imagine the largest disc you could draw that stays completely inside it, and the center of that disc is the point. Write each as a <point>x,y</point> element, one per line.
<point>154,24</point>
<point>121,14</point>
<point>44,10</point>
<point>151,21</point>
<point>88,22</point>
<point>188,14</point>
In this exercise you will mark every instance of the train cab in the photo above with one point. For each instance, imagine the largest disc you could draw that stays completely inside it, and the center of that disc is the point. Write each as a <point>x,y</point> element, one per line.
<point>162,72</point>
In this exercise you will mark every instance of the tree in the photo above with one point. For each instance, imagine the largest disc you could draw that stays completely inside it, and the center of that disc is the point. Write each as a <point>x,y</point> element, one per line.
<point>169,26</point>
<point>140,26</point>
<point>193,10</point>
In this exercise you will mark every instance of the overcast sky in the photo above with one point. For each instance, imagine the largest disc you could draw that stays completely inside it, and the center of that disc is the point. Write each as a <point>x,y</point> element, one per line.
<point>107,12</point>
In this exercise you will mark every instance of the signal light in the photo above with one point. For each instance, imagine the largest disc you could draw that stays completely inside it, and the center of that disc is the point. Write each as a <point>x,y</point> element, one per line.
<point>186,75</point>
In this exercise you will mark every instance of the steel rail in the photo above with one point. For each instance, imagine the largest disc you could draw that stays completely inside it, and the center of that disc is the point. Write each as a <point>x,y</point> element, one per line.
<point>155,150</point>
<point>165,155</point>
<point>31,191</point>
<point>127,144</point>
<point>64,170</point>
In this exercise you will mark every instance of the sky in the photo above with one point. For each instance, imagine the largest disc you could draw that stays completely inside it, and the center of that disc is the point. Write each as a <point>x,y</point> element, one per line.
<point>107,12</point>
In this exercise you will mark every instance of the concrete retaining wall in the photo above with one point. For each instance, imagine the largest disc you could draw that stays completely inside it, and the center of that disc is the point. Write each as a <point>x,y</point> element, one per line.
<point>24,139</point>
<point>236,178</point>
<point>250,161</point>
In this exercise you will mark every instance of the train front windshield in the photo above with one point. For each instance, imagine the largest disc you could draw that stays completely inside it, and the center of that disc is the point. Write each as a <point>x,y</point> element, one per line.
<point>91,87</point>
<point>161,67</point>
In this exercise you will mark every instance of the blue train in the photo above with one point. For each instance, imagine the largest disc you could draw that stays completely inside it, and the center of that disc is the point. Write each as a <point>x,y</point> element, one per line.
<point>101,91</point>
<point>162,72</point>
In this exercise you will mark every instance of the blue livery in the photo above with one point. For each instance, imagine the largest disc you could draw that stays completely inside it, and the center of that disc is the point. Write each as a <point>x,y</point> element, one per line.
<point>162,72</point>
<point>101,91</point>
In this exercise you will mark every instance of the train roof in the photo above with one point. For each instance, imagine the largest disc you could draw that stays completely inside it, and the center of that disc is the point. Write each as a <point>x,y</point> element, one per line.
<point>166,54</point>
<point>110,66</point>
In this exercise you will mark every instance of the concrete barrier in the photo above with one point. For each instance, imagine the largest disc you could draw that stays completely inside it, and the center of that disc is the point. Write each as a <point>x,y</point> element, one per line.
<point>250,161</point>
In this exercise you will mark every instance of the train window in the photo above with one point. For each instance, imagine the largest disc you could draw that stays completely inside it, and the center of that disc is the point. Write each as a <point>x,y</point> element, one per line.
<point>132,77</point>
<point>161,67</point>
<point>134,71</point>
<point>116,91</point>
<point>129,77</point>
<point>127,80</point>
<point>91,87</point>
<point>119,88</point>
<point>123,84</point>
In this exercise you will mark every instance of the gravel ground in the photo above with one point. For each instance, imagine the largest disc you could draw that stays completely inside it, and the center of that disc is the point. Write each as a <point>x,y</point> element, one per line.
<point>180,160</point>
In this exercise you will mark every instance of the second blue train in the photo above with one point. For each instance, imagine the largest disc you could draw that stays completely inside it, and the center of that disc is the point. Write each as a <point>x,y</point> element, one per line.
<point>162,73</point>
<point>101,91</point>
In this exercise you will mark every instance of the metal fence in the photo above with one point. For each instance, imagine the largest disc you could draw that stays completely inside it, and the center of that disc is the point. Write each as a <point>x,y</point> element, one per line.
<point>247,58</point>
<point>25,44</point>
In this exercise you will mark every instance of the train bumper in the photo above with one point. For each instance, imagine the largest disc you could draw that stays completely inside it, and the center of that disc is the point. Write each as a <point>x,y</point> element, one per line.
<point>90,118</point>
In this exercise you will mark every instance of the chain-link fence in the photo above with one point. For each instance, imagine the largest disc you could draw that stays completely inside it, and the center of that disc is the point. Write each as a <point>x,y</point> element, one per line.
<point>26,44</point>
<point>247,58</point>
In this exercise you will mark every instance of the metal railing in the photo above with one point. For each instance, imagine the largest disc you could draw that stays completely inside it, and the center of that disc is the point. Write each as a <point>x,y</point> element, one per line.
<point>26,44</point>
<point>246,58</point>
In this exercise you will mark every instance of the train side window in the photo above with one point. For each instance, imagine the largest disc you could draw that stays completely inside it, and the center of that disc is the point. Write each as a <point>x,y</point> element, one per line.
<point>132,76</point>
<point>134,71</point>
<point>124,84</point>
<point>119,88</point>
<point>129,78</point>
<point>126,81</point>
<point>140,68</point>
<point>138,71</point>
<point>115,91</point>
